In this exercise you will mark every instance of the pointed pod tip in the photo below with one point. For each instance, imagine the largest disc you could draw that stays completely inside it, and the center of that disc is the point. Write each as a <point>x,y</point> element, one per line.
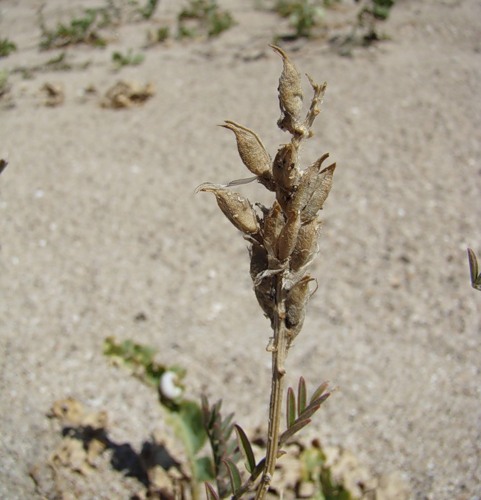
<point>208,187</point>
<point>277,49</point>
<point>329,168</point>
<point>230,125</point>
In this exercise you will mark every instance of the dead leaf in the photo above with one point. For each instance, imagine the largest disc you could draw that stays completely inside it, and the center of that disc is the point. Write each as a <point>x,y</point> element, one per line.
<point>55,94</point>
<point>127,94</point>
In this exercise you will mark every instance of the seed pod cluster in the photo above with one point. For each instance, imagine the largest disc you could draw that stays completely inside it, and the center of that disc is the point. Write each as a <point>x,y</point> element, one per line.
<point>283,237</point>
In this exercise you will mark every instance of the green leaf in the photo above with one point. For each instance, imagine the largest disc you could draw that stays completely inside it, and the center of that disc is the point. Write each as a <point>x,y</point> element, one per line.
<point>301,396</point>
<point>320,400</point>
<point>310,410</point>
<point>296,427</point>
<point>227,426</point>
<point>210,492</point>
<point>204,469</point>
<point>138,358</point>
<point>186,419</point>
<point>291,407</point>
<point>318,392</point>
<point>259,469</point>
<point>191,417</point>
<point>234,475</point>
<point>246,448</point>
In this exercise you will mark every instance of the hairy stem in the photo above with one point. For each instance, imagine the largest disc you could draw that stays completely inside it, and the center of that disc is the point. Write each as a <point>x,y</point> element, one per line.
<point>279,354</point>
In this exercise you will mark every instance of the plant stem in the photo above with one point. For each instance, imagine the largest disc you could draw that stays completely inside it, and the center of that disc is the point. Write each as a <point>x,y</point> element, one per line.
<point>279,354</point>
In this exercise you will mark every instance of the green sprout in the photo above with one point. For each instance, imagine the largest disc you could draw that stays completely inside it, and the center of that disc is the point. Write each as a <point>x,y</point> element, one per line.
<point>84,29</point>
<point>128,59</point>
<point>203,17</point>
<point>6,47</point>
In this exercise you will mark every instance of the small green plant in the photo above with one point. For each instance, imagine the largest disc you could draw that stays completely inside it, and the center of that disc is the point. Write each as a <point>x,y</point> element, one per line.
<point>203,17</point>
<point>378,9</point>
<point>159,35</point>
<point>370,13</point>
<point>127,59</point>
<point>6,47</point>
<point>84,29</point>
<point>186,418</point>
<point>474,270</point>
<point>147,11</point>
<point>194,425</point>
<point>58,63</point>
<point>304,15</point>
<point>365,29</point>
<point>315,471</point>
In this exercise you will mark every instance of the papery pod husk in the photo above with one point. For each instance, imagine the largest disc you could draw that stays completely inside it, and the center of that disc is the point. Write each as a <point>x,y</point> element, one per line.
<point>266,296</point>
<point>272,225</point>
<point>308,184</point>
<point>264,287</point>
<point>235,207</point>
<point>316,201</point>
<point>284,169</point>
<point>259,260</point>
<point>284,198</point>
<point>288,237</point>
<point>306,244</point>
<point>296,303</point>
<point>290,92</point>
<point>251,150</point>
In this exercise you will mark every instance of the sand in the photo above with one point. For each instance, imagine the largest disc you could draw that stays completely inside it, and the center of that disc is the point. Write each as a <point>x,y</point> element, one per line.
<point>101,235</point>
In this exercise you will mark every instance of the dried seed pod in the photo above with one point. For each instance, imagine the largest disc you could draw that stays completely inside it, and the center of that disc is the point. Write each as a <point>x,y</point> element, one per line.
<point>307,183</point>
<point>296,302</point>
<point>321,192</point>
<point>266,296</point>
<point>290,87</point>
<point>259,260</point>
<point>235,207</point>
<point>285,170</point>
<point>310,182</point>
<point>288,237</point>
<point>251,150</point>
<point>305,245</point>
<point>263,287</point>
<point>273,223</point>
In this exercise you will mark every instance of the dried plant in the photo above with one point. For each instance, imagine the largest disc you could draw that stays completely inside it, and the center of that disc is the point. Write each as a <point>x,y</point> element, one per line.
<point>283,243</point>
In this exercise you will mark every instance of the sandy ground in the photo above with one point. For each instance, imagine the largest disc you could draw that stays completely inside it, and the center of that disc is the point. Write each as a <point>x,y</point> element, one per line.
<point>98,223</point>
